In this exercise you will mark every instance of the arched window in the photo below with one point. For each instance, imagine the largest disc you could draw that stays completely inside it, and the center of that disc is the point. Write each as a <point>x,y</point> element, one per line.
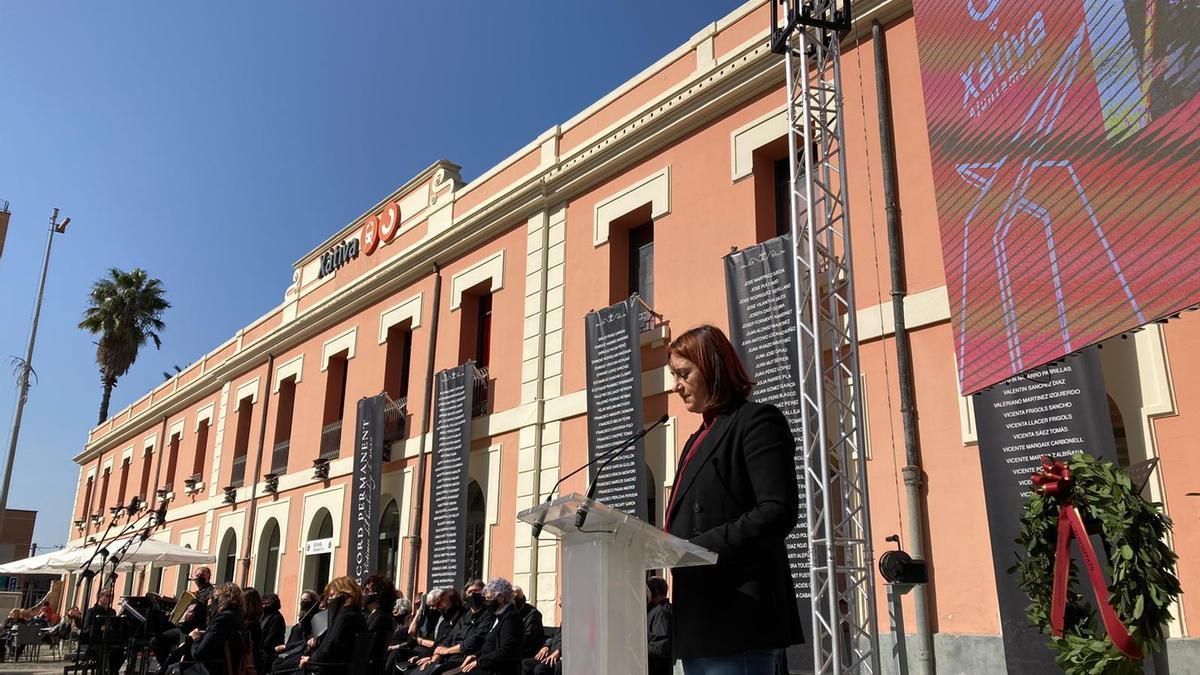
<point>319,562</point>
<point>155,583</point>
<point>181,580</point>
<point>267,558</point>
<point>389,540</point>
<point>227,560</point>
<point>476,515</point>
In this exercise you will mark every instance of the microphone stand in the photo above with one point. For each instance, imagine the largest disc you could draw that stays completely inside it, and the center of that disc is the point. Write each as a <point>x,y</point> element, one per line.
<point>111,579</point>
<point>606,457</point>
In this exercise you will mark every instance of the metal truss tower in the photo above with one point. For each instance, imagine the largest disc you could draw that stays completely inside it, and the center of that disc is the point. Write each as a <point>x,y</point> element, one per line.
<point>845,638</point>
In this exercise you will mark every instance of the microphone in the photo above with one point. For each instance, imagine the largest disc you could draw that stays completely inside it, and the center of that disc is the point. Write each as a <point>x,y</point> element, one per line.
<point>581,513</point>
<point>537,527</point>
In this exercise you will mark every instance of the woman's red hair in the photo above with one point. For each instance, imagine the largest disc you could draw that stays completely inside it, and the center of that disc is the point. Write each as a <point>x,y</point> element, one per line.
<point>717,361</point>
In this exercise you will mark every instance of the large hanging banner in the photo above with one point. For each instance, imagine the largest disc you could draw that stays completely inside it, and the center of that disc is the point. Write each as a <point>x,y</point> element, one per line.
<point>762,327</point>
<point>1055,410</point>
<point>368,467</point>
<point>1065,141</point>
<point>454,389</point>
<point>614,403</point>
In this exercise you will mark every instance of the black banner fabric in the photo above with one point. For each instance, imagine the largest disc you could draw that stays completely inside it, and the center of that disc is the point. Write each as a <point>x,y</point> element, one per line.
<point>368,466</point>
<point>451,448</point>
<point>614,401</point>
<point>1055,410</point>
<point>762,328</point>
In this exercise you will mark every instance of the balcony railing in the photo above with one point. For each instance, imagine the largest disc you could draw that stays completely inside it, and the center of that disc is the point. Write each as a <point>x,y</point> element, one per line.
<point>279,457</point>
<point>331,440</point>
<point>238,476</point>
<point>479,401</point>
<point>395,419</point>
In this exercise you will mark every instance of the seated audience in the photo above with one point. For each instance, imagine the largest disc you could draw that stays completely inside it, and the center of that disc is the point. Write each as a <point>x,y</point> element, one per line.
<point>333,650</point>
<point>273,627</point>
<point>660,628</point>
<point>287,655</point>
<point>252,612</point>
<point>531,619</point>
<point>501,651</point>
<point>379,599</point>
<point>221,640</point>
<point>548,660</point>
<point>465,639</point>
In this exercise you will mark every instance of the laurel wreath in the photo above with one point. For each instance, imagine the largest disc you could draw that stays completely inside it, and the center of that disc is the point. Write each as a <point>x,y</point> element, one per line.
<point>1141,563</point>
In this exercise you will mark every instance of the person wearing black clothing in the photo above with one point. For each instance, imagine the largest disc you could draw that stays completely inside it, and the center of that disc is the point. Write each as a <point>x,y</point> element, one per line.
<point>287,655</point>
<point>335,648</point>
<point>252,612</point>
<point>401,642</point>
<point>465,639</point>
<point>435,627</point>
<point>501,652</point>
<point>548,660</point>
<point>379,599</point>
<point>221,642</point>
<point>736,495</point>
<point>167,645</point>
<point>660,628</point>
<point>531,619</point>
<point>97,621</point>
<point>272,626</point>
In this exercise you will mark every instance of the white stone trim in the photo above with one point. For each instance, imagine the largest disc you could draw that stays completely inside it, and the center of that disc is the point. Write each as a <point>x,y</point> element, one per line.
<point>235,521</point>
<point>148,444</point>
<point>245,391</point>
<point>205,414</point>
<point>176,429</point>
<point>330,499</point>
<point>921,309</point>
<point>491,498</point>
<point>91,474</point>
<point>342,343</point>
<point>409,310</point>
<point>744,140</point>
<point>291,368</point>
<point>108,465</point>
<point>127,454</point>
<point>490,268</point>
<point>654,190</point>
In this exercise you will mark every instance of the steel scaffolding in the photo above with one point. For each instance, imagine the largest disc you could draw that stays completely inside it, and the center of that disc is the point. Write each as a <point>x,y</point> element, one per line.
<point>845,638</point>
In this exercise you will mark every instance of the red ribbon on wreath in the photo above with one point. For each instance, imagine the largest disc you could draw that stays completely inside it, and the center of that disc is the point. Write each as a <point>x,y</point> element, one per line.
<point>1054,480</point>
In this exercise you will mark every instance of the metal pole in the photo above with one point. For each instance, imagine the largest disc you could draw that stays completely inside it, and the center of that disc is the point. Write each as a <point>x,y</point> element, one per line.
<point>248,538</point>
<point>26,366</point>
<point>913,478</point>
<point>418,513</point>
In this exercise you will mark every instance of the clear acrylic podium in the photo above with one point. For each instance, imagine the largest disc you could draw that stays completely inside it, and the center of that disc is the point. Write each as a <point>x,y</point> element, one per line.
<point>604,581</point>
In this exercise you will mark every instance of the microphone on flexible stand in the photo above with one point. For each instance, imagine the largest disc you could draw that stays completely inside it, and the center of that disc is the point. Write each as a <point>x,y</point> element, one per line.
<point>607,457</point>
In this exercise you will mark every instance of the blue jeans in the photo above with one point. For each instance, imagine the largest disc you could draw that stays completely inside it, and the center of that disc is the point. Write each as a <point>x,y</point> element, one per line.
<point>751,662</point>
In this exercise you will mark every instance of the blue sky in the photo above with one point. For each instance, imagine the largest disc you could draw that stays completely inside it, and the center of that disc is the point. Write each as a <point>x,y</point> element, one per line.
<point>214,143</point>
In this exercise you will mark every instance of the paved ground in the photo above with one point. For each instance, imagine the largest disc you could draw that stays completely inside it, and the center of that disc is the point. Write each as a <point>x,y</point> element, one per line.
<point>43,667</point>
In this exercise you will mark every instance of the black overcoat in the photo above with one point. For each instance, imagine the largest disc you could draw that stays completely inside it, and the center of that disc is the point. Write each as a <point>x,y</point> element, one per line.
<point>737,497</point>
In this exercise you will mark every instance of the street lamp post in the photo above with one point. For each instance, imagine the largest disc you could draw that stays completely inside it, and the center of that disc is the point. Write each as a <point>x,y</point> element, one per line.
<point>27,365</point>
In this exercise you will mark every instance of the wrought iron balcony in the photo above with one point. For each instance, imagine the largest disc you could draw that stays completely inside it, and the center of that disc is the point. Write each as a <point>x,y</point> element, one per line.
<point>279,457</point>
<point>479,400</point>
<point>331,440</point>
<point>395,419</point>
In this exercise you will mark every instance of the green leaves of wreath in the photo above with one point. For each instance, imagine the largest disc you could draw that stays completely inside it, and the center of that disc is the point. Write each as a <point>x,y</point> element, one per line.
<point>1142,568</point>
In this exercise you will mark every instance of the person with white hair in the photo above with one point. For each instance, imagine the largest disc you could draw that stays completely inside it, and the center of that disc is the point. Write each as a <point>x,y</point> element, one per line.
<point>501,652</point>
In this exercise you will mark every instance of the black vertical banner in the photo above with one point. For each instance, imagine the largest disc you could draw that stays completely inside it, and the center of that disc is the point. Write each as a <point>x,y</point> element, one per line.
<point>1055,410</point>
<point>762,327</point>
<point>368,465</point>
<point>451,447</point>
<point>614,403</point>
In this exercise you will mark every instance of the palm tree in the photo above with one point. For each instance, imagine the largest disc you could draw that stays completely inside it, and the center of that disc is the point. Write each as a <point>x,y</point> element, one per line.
<point>126,312</point>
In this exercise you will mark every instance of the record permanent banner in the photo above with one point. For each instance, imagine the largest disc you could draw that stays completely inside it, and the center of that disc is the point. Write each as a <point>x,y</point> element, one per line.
<point>368,467</point>
<point>1065,142</point>
<point>762,327</point>
<point>614,402</point>
<point>1055,410</point>
<point>453,390</point>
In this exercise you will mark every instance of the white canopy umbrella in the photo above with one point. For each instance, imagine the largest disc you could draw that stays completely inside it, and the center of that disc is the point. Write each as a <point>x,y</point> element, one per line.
<point>139,553</point>
<point>38,564</point>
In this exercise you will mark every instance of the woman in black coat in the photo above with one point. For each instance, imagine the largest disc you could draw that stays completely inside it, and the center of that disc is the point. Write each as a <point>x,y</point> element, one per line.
<point>501,652</point>
<point>224,632</point>
<point>379,600</point>
<point>736,495</point>
<point>335,648</point>
<point>272,624</point>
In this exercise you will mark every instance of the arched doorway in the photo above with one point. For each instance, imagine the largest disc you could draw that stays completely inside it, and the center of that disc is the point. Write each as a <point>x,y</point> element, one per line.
<point>267,561</point>
<point>227,560</point>
<point>389,540</point>
<point>318,550</point>
<point>476,517</point>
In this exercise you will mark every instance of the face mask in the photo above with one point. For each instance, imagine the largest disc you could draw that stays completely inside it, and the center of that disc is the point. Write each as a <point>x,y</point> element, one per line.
<point>493,604</point>
<point>475,601</point>
<point>370,597</point>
